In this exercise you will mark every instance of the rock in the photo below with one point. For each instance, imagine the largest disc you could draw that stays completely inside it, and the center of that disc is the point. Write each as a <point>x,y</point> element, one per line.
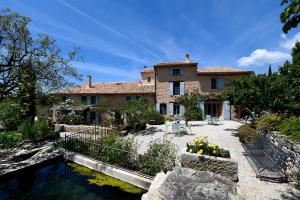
<point>222,166</point>
<point>297,148</point>
<point>188,184</point>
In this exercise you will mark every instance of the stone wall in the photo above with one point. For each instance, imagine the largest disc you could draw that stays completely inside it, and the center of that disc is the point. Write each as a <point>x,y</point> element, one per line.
<point>76,128</point>
<point>285,152</point>
<point>223,166</point>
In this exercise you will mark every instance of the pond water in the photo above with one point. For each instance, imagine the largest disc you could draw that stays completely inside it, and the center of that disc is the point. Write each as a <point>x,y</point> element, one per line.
<point>65,180</point>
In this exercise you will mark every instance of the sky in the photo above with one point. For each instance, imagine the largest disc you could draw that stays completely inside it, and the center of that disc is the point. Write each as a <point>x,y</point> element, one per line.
<point>119,37</point>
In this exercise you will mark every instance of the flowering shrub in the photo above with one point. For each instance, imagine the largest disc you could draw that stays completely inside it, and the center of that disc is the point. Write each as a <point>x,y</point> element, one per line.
<point>200,145</point>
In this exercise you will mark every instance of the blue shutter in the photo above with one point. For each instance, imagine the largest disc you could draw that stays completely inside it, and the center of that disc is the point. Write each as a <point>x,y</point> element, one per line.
<point>226,107</point>
<point>181,111</point>
<point>170,72</point>
<point>97,99</point>
<point>97,118</point>
<point>133,98</point>
<point>181,71</point>
<point>158,107</point>
<point>202,108</point>
<point>220,83</point>
<point>171,108</point>
<point>89,100</point>
<point>181,88</point>
<point>171,88</point>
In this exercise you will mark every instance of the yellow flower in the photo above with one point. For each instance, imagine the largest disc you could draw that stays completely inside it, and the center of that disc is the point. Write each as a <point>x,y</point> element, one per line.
<point>200,152</point>
<point>191,151</point>
<point>215,151</point>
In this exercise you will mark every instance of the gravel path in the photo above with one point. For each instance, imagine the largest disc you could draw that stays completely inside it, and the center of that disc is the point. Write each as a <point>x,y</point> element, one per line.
<point>249,187</point>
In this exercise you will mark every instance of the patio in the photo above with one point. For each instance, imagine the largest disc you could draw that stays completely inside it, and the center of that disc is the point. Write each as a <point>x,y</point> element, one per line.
<point>224,135</point>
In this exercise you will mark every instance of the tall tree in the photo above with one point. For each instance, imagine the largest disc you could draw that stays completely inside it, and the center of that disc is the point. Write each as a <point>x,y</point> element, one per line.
<point>270,70</point>
<point>27,63</point>
<point>290,17</point>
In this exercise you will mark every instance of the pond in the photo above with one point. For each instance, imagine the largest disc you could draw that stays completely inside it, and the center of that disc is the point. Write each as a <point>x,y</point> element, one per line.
<point>66,180</point>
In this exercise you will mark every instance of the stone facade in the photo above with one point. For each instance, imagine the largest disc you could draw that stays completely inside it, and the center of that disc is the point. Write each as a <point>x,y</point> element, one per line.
<point>222,166</point>
<point>285,152</point>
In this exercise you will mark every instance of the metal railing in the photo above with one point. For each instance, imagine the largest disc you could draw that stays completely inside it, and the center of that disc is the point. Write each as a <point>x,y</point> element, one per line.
<point>90,145</point>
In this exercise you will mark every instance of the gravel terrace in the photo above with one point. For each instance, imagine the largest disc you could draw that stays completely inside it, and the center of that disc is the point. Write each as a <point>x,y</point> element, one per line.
<point>249,187</point>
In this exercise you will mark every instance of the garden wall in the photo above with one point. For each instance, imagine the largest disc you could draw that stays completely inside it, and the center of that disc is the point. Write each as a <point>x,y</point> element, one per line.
<point>283,151</point>
<point>222,166</point>
<point>75,128</point>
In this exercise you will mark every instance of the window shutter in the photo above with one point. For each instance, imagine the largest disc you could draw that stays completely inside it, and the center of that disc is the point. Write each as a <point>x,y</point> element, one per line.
<point>220,83</point>
<point>171,88</point>
<point>181,111</point>
<point>89,100</point>
<point>133,98</point>
<point>202,108</point>
<point>97,99</point>
<point>181,71</point>
<point>171,108</point>
<point>181,88</point>
<point>170,72</point>
<point>226,107</point>
<point>158,107</point>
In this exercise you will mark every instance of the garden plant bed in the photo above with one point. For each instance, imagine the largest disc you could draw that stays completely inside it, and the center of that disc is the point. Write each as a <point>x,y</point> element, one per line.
<point>222,166</point>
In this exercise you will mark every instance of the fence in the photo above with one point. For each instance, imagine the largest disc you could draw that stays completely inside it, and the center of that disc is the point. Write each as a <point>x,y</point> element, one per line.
<point>89,145</point>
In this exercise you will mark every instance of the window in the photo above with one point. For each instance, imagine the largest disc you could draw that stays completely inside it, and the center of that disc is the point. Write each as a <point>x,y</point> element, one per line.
<point>176,109</point>
<point>213,83</point>
<point>217,83</point>
<point>176,72</point>
<point>149,79</point>
<point>128,99</point>
<point>84,99</point>
<point>93,100</point>
<point>176,88</point>
<point>65,98</point>
<point>163,109</point>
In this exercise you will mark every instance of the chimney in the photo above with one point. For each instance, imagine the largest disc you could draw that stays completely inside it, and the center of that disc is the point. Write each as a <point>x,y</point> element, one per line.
<point>187,58</point>
<point>89,81</point>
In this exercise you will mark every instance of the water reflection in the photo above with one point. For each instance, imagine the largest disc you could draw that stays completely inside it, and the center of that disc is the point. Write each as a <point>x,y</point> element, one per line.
<point>59,181</point>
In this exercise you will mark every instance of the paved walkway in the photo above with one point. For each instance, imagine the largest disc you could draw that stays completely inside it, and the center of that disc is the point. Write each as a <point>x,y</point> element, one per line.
<point>249,187</point>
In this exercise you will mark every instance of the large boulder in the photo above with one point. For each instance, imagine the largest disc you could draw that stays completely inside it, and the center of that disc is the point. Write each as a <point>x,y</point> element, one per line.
<point>189,184</point>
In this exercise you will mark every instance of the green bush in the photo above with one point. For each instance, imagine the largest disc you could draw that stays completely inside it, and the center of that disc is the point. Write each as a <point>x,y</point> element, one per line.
<point>246,133</point>
<point>268,122</point>
<point>10,115</point>
<point>160,156</point>
<point>72,119</point>
<point>39,130</point>
<point>10,139</point>
<point>157,117</point>
<point>118,150</point>
<point>290,127</point>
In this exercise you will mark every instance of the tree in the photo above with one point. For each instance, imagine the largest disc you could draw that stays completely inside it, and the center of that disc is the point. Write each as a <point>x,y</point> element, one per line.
<point>190,101</point>
<point>270,71</point>
<point>279,93</point>
<point>27,63</point>
<point>136,113</point>
<point>290,17</point>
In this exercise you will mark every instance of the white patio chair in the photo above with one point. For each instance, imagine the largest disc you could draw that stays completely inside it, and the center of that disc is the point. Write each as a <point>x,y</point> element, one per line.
<point>209,119</point>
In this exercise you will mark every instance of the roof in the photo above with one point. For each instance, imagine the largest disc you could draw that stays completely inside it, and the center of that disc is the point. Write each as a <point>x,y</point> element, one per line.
<point>176,63</point>
<point>221,70</point>
<point>146,70</point>
<point>112,88</point>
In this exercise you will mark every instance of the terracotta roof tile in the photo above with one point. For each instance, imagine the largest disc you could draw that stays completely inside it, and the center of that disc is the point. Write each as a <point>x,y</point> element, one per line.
<point>176,63</point>
<point>112,88</point>
<point>221,70</point>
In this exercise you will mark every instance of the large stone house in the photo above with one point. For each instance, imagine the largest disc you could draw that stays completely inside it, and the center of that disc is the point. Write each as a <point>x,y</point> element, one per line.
<point>161,84</point>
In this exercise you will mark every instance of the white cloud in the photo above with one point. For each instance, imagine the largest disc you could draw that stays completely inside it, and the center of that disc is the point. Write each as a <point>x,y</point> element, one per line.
<point>290,43</point>
<point>263,57</point>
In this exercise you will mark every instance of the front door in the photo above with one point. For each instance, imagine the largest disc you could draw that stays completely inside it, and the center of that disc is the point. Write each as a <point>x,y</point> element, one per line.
<point>213,108</point>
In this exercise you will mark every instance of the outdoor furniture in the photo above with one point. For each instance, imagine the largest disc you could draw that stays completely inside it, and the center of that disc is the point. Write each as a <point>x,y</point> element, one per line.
<point>209,120</point>
<point>267,167</point>
<point>175,128</point>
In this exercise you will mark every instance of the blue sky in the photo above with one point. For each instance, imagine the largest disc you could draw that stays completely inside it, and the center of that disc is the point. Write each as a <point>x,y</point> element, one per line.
<point>119,37</point>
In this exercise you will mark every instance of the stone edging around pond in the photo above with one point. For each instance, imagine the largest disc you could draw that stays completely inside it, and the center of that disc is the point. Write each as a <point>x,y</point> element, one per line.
<point>222,166</point>
<point>27,156</point>
<point>110,170</point>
